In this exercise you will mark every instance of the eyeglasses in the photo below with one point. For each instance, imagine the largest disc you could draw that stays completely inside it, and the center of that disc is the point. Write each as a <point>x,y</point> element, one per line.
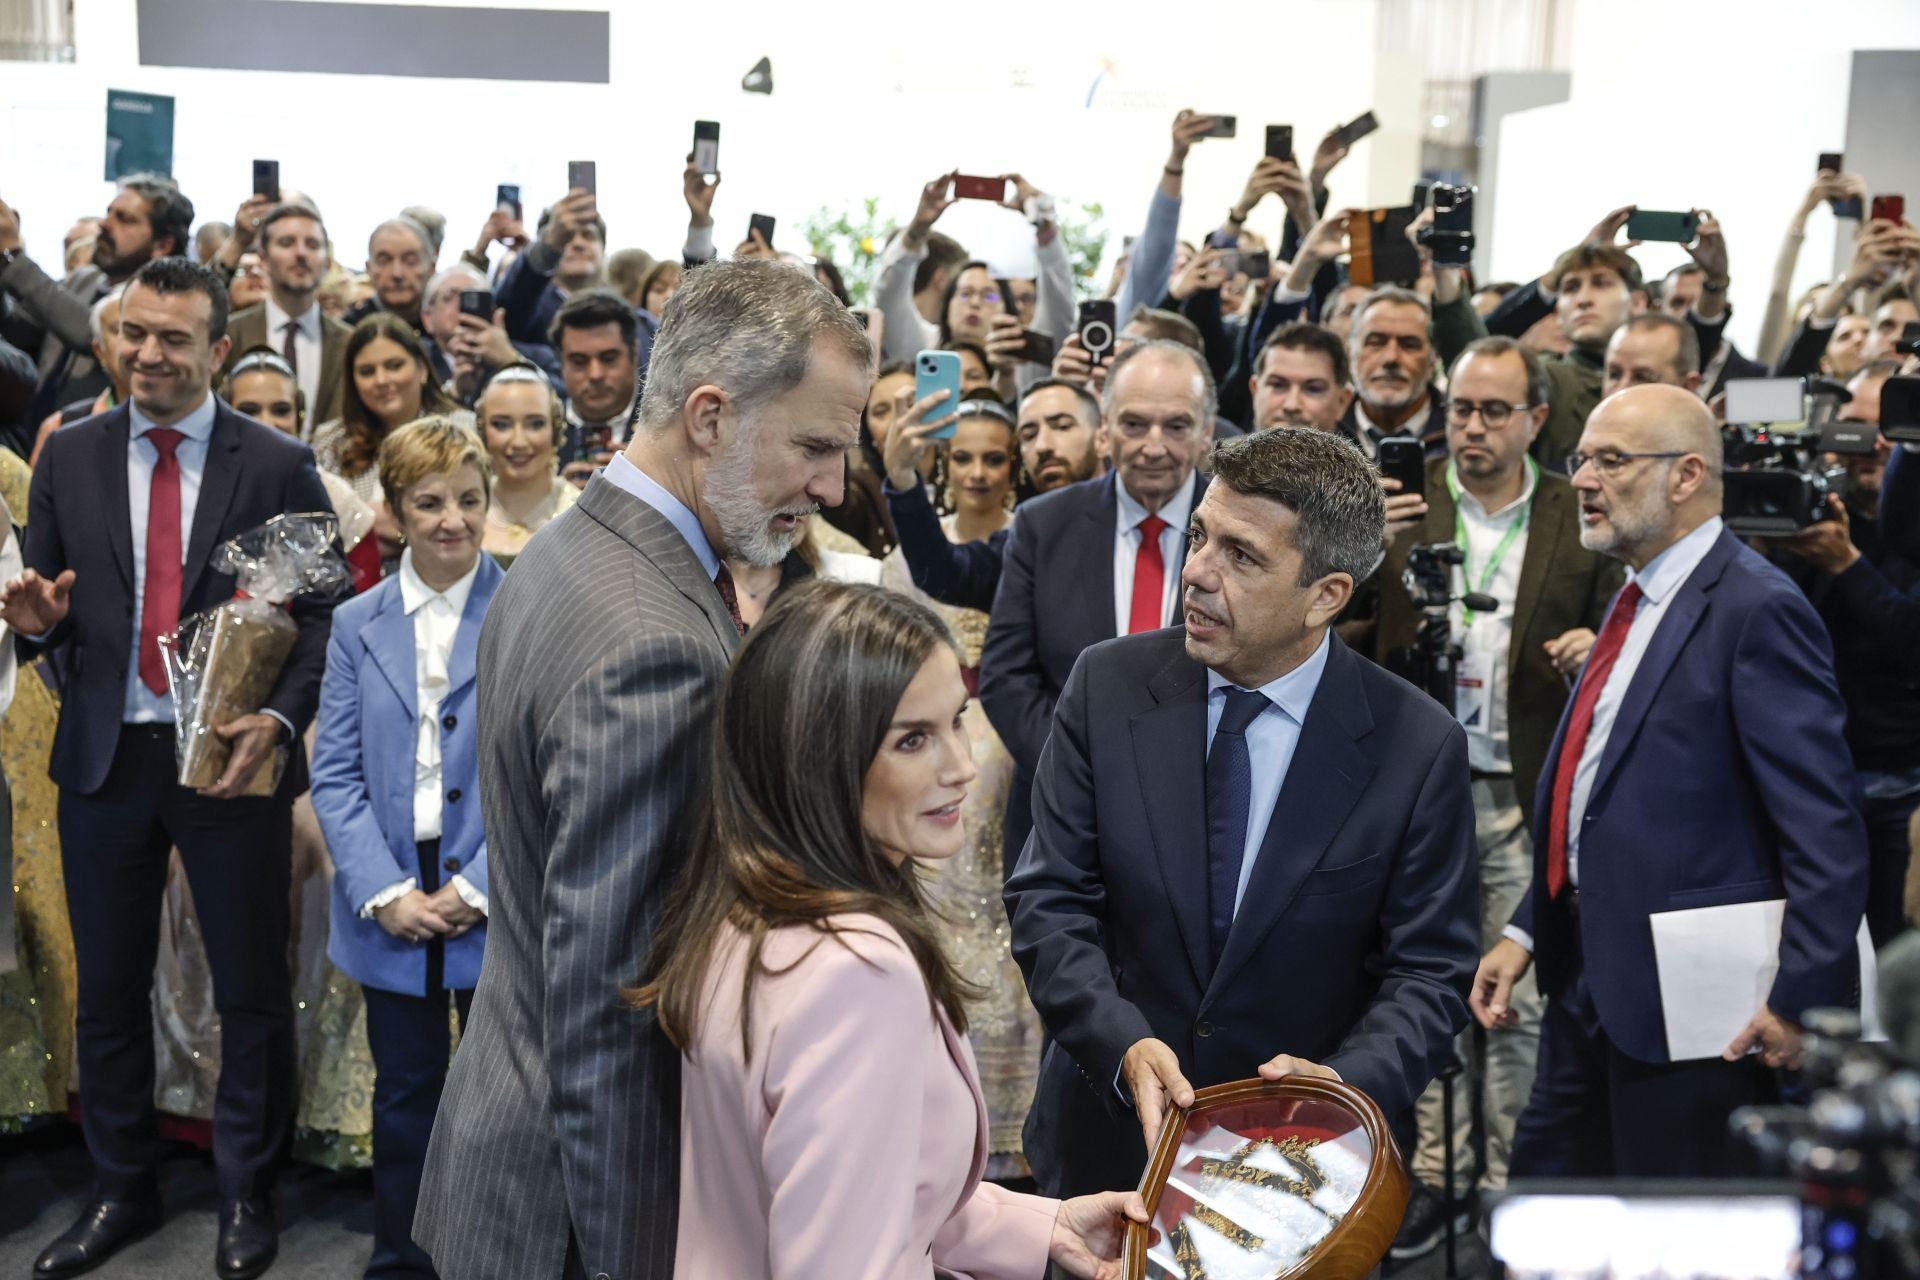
<point>979,297</point>
<point>1609,461</point>
<point>1492,412</point>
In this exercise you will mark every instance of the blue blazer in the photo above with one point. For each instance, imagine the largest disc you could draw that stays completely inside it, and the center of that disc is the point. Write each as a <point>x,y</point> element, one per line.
<point>1353,946</point>
<point>363,769</point>
<point>1725,779</point>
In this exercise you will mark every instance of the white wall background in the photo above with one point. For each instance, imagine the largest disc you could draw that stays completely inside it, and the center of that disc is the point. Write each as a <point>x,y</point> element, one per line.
<point>859,109</point>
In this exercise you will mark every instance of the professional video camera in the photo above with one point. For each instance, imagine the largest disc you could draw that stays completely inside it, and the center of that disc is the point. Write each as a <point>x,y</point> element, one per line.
<point>1779,437</point>
<point>1431,661</point>
<point>1854,1150</point>
<point>1900,397</point>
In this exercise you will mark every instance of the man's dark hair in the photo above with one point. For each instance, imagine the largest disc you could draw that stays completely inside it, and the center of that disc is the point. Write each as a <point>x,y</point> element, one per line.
<point>1299,335</point>
<point>289,209</point>
<point>1087,400</point>
<point>169,212</point>
<point>591,308</point>
<point>1168,326</point>
<point>1340,513</point>
<point>1686,343</point>
<point>1610,256</point>
<point>177,274</point>
<point>1500,345</point>
<point>942,251</point>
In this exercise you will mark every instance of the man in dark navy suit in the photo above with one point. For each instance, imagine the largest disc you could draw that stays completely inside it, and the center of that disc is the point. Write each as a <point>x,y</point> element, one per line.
<point>1700,763</point>
<point>127,509</point>
<point>1097,559</point>
<point>1233,801</point>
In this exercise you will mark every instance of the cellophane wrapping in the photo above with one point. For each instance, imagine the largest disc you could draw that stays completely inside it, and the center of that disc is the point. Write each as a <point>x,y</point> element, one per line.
<point>223,663</point>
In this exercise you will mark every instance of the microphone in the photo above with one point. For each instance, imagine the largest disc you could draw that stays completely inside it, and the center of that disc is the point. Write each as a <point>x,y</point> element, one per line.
<point>1480,602</point>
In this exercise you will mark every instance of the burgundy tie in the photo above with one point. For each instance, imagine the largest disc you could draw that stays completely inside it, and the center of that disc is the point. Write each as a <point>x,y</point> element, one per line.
<point>291,351</point>
<point>1606,651</point>
<point>1149,579</point>
<point>724,581</point>
<point>160,594</point>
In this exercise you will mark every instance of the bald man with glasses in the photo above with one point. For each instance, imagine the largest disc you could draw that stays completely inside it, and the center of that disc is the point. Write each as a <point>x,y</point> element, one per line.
<point>1701,764</point>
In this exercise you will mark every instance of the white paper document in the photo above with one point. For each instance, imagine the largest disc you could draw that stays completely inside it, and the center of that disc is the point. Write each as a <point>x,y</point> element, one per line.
<point>1717,965</point>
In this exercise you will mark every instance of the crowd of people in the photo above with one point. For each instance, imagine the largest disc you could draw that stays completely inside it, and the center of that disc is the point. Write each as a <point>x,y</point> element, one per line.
<point>771,821</point>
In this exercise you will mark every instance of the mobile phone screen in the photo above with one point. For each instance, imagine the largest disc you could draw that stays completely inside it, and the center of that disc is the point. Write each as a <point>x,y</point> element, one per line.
<point>1358,128</point>
<point>266,179</point>
<point>763,223</point>
<point>706,146</point>
<point>1280,141</point>
<point>580,176</point>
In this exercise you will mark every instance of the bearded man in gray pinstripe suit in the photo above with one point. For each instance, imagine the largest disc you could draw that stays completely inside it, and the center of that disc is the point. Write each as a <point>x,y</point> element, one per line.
<point>556,1148</point>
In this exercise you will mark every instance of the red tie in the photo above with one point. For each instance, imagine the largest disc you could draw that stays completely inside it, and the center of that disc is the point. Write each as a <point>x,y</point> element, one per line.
<point>1149,579</point>
<point>724,580</point>
<point>1606,651</point>
<point>160,595</point>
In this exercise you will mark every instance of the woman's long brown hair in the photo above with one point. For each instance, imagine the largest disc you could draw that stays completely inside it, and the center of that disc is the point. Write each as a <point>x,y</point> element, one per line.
<point>802,715</point>
<point>361,448</point>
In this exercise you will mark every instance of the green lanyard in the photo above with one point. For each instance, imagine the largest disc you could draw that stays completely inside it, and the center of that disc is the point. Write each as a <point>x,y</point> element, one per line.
<point>1514,530</point>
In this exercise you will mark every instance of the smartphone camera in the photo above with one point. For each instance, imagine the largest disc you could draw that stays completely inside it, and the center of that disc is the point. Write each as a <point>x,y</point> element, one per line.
<point>1096,335</point>
<point>1450,236</point>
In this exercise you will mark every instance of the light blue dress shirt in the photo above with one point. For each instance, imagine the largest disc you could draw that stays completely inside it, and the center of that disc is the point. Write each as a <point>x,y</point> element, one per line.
<point>625,476</point>
<point>1271,740</point>
<point>143,705</point>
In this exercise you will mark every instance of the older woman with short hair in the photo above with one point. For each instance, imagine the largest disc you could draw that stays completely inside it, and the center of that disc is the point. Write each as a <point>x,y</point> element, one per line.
<point>397,789</point>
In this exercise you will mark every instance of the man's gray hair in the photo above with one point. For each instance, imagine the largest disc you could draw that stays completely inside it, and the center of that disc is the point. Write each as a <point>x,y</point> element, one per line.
<point>1210,395</point>
<point>748,327</point>
<point>1385,293</point>
<point>412,228</point>
<point>431,221</point>
<point>1340,513</point>
<point>96,314</point>
<point>458,271</point>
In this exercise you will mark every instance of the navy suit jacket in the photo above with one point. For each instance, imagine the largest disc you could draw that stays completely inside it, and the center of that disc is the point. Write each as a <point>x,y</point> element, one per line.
<point>962,574</point>
<point>80,521</point>
<point>1054,600</point>
<point>1726,778</point>
<point>1353,946</point>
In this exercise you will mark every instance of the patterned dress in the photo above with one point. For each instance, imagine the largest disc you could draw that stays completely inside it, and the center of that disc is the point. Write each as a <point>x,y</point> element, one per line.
<point>1003,1027</point>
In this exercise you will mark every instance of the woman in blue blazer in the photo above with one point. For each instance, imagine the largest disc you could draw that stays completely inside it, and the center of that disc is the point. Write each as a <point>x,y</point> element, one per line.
<point>396,788</point>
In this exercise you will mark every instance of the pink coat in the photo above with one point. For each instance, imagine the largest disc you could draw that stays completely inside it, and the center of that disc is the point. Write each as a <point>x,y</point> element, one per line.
<point>851,1145</point>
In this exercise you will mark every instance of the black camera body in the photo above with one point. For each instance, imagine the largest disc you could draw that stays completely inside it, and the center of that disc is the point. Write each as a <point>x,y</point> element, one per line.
<point>1779,473</point>
<point>1900,403</point>
<point>1429,574</point>
<point>1450,237</point>
<point>1432,661</point>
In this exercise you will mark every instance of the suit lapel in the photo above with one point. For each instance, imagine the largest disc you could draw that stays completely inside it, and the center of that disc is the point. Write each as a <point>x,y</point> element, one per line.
<point>1170,754</point>
<point>217,481</point>
<point>1669,639</point>
<point>655,537</point>
<point>1325,780</point>
<point>961,1055</point>
<point>110,466</point>
<point>389,638</point>
<point>1096,566</point>
<point>1544,522</point>
<point>466,641</point>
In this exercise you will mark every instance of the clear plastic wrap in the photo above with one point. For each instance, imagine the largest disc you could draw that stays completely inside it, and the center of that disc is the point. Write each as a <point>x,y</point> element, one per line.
<point>222,664</point>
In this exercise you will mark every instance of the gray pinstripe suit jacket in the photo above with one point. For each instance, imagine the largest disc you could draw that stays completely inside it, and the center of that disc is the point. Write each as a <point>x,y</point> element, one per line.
<point>599,665</point>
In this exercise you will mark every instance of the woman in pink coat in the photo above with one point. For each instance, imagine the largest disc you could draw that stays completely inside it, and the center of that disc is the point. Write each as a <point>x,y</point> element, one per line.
<point>831,1124</point>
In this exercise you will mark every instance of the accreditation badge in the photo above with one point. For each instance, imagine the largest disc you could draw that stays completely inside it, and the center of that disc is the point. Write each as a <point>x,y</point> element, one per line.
<point>1473,693</point>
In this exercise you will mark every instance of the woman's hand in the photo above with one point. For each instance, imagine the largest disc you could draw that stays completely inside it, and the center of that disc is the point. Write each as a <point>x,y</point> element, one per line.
<point>412,917</point>
<point>1089,1232</point>
<point>908,437</point>
<point>1202,272</point>
<point>451,907</point>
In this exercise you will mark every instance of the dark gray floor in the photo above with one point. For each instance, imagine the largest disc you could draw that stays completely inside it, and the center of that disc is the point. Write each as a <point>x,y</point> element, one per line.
<point>326,1219</point>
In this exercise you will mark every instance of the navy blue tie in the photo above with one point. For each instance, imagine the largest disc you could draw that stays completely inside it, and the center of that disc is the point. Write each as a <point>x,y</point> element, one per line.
<point>1229,794</point>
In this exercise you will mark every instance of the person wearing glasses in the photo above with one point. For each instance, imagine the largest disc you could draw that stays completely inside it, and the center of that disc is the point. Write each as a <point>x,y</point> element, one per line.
<point>1701,766</point>
<point>1518,529</point>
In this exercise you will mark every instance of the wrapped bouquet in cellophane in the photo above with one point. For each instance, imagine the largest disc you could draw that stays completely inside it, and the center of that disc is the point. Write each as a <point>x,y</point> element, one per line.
<point>222,664</point>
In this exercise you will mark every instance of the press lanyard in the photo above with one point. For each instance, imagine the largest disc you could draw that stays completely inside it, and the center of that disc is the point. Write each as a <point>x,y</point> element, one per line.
<point>1500,549</point>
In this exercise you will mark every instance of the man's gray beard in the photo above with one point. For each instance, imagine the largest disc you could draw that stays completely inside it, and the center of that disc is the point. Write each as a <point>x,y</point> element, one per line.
<point>1400,400</point>
<point>1627,527</point>
<point>745,525</point>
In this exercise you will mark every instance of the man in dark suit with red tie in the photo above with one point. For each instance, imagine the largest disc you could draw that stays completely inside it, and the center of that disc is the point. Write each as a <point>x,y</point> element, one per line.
<point>1097,559</point>
<point>1701,763</point>
<point>1252,849</point>
<point>111,569</point>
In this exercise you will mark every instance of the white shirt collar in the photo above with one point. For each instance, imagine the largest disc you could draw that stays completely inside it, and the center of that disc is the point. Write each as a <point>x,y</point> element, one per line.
<point>1175,513</point>
<point>1414,428</point>
<point>1292,692</point>
<point>196,426</point>
<point>307,324</point>
<point>415,593</point>
<point>1472,503</point>
<point>622,474</point>
<point>1666,571</point>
